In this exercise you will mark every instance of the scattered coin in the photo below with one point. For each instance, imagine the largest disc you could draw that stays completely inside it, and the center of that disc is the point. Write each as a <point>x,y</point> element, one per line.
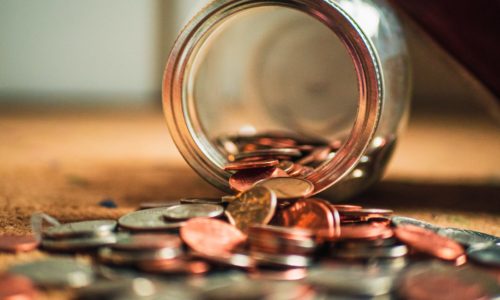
<point>467,237</point>
<point>78,243</point>
<point>429,242</point>
<point>400,221</point>
<point>56,272</point>
<point>282,260</point>
<point>244,165</point>
<point>211,237</point>
<point>16,287</point>
<point>487,254</point>
<point>148,219</point>
<point>80,229</point>
<point>187,211</point>
<point>393,251</point>
<point>175,266</point>
<point>288,187</point>
<point>148,205</point>
<point>217,201</point>
<point>254,206</point>
<point>245,179</point>
<point>147,241</point>
<point>18,243</point>
<point>366,232</point>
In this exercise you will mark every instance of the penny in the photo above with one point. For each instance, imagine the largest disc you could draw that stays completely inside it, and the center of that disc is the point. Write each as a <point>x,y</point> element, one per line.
<point>254,206</point>
<point>245,179</point>
<point>281,240</point>
<point>78,229</point>
<point>486,254</point>
<point>312,214</point>
<point>345,207</point>
<point>18,243</point>
<point>286,165</point>
<point>426,241</point>
<point>217,201</point>
<point>78,243</point>
<point>15,287</point>
<point>147,219</point>
<point>400,220</point>
<point>147,241</point>
<point>467,237</point>
<point>287,188</point>
<point>366,232</point>
<point>56,272</point>
<point>187,211</point>
<point>211,236</point>
<point>275,152</point>
<point>367,213</point>
<point>243,165</point>
<point>174,266</point>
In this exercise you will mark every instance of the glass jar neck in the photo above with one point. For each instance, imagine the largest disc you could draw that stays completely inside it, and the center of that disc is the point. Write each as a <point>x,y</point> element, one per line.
<point>180,108</point>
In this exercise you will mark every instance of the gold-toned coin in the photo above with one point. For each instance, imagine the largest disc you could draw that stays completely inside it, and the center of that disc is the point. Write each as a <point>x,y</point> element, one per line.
<point>287,188</point>
<point>254,206</point>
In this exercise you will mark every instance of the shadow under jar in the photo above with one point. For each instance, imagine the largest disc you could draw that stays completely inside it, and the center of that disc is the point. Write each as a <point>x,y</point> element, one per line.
<point>326,73</point>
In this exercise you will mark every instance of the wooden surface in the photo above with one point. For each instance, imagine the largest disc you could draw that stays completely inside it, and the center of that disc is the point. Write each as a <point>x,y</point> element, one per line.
<point>446,170</point>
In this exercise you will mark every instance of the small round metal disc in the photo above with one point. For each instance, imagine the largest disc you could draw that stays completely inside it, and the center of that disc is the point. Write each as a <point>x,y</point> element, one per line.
<point>245,179</point>
<point>281,260</point>
<point>188,211</point>
<point>467,237</point>
<point>486,254</point>
<point>243,165</point>
<point>84,228</point>
<point>237,260</point>
<point>120,257</point>
<point>16,243</point>
<point>254,206</point>
<point>400,221</point>
<point>16,287</point>
<point>217,201</point>
<point>56,272</point>
<point>372,252</point>
<point>147,219</point>
<point>174,266</point>
<point>287,188</point>
<point>148,205</point>
<point>147,241</point>
<point>281,152</point>
<point>78,243</point>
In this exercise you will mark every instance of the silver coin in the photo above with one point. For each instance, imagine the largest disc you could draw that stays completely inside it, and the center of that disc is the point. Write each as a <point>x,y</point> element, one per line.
<point>188,211</point>
<point>56,272</point>
<point>83,228</point>
<point>147,219</point>
<point>400,220</point>
<point>487,254</point>
<point>352,280</point>
<point>217,201</point>
<point>467,237</point>
<point>281,260</point>
<point>292,152</point>
<point>120,257</point>
<point>106,289</point>
<point>371,252</point>
<point>79,243</point>
<point>148,205</point>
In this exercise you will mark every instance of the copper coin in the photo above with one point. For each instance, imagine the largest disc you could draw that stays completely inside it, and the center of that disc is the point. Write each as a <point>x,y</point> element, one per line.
<point>254,206</point>
<point>346,207</point>
<point>211,236</point>
<point>275,152</point>
<point>276,142</point>
<point>312,214</point>
<point>286,165</point>
<point>288,188</point>
<point>238,260</point>
<point>243,165</point>
<point>319,154</point>
<point>288,274</point>
<point>174,266</point>
<point>16,287</point>
<point>18,243</point>
<point>245,179</point>
<point>147,241</point>
<point>366,232</point>
<point>429,242</point>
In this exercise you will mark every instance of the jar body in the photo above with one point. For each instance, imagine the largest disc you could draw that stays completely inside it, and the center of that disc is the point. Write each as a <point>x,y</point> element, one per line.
<point>335,70</point>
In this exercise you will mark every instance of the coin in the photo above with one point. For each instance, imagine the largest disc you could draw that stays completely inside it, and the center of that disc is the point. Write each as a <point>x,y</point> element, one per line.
<point>486,254</point>
<point>187,211</point>
<point>367,213</point>
<point>147,219</point>
<point>254,206</point>
<point>217,201</point>
<point>286,165</point>
<point>237,260</point>
<point>15,287</point>
<point>345,207</point>
<point>312,214</point>
<point>78,229</point>
<point>126,257</point>
<point>371,252</point>
<point>245,179</point>
<point>467,237</point>
<point>281,260</point>
<point>428,242</point>
<point>174,266</point>
<point>147,241</point>
<point>17,243</point>
<point>211,236</point>
<point>56,272</point>
<point>287,188</point>
<point>400,220</point>
<point>78,243</point>
<point>281,240</point>
<point>243,165</point>
<point>148,205</point>
<point>275,152</point>
<point>366,232</point>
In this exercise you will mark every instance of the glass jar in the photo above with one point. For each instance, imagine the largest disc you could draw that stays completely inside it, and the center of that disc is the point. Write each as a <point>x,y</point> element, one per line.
<point>331,70</point>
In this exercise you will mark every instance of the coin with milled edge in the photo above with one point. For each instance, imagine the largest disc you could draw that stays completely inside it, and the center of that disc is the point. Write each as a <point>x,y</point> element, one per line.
<point>287,188</point>
<point>400,220</point>
<point>187,211</point>
<point>78,243</point>
<point>56,272</point>
<point>254,206</point>
<point>18,243</point>
<point>148,219</point>
<point>467,237</point>
<point>486,254</point>
<point>78,229</point>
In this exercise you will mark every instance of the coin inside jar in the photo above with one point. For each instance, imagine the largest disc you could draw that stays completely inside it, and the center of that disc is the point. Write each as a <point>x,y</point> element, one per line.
<point>288,188</point>
<point>243,165</point>
<point>188,211</point>
<point>245,179</point>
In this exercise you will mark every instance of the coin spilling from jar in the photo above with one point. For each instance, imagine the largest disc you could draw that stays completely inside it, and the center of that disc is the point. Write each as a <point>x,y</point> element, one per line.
<point>271,240</point>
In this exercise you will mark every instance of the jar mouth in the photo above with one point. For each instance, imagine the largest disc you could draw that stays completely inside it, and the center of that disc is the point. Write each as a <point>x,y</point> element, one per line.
<point>180,106</point>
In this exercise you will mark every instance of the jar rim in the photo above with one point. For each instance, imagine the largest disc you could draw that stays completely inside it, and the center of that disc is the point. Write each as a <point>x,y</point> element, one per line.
<point>178,104</point>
